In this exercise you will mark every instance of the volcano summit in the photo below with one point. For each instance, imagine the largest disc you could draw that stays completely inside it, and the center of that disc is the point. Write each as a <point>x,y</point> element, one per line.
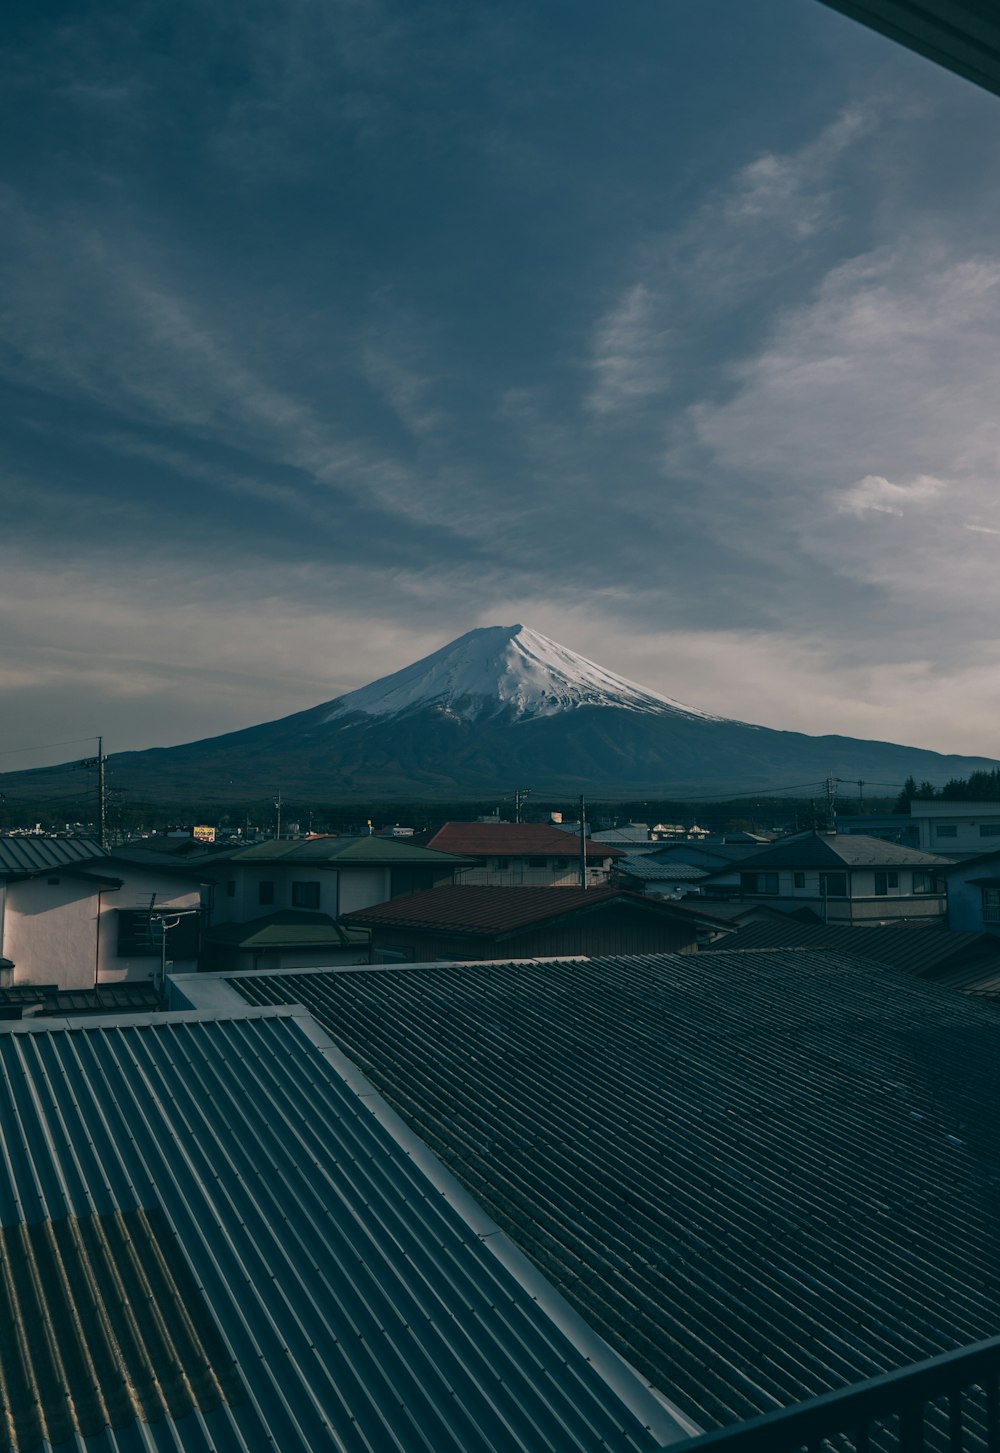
<point>499,707</point>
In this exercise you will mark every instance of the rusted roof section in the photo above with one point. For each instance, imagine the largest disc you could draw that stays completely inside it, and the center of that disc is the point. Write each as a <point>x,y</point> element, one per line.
<point>465,909</point>
<point>514,839</point>
<point>215,1236</point>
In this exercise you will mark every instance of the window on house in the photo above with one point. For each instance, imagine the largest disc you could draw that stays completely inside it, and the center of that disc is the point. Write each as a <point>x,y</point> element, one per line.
<point>924,883</point>
<point>799,880</point>
<point>305,895</point>
<point>230,887</point>
<point>885,881</point>
<point>946,829</point>
<point>265,891</point>
<point>538,862</point>
<point>135,934</point>
<point>989,829</point>
<point>833,885</point>
<point>991,905</point>
<point>760,883</point>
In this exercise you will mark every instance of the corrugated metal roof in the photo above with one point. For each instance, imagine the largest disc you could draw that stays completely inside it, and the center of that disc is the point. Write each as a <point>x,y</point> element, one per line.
<point>212,1239</point>
<point>913,947</point>
<point>30,854</point>
<point>757,1182</point>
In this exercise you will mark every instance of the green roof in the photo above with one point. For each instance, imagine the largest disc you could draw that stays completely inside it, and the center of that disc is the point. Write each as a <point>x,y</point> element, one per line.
<point>288,928</point>
<point>375,851</point>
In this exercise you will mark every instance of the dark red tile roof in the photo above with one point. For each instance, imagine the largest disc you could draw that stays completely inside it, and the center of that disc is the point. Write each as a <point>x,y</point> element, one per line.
<point>514,839</point>
<point>462,908</point>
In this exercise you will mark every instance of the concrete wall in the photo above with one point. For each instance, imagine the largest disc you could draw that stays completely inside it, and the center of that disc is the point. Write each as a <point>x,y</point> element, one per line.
<point>976,826</point>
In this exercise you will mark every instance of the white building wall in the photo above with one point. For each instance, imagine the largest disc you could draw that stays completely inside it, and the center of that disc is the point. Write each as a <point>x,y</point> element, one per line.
<point>59,929</point>
<point>957,827</point>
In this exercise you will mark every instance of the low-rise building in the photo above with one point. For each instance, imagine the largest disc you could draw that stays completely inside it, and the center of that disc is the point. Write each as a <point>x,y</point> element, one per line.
<point>974,894</point>
<point>952,827</point>
<point>523,854</point>
<point>74,916</point>
<point>463,924</point>
<point>850,879</point>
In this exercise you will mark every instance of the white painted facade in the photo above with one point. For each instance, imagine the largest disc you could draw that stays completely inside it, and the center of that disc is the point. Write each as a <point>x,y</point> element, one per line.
<point>62,927</point>
<point>245,891</point>
<point>857,895</point>
<point>956,827</point>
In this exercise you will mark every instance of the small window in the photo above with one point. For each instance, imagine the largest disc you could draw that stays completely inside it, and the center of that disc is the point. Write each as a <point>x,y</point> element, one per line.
<point>946,829</point>
<point>53,882</point>
<point>305,895</point>
<point>265,891</point>
<point>833,885</point>
<point>230,887</point>
<point>135,934</point>
<point>799,880</point>
<point>759,883</point>
<point>885,881</point>
<point>924,883</point>
<point>989,829</point>
<point>538,862</point>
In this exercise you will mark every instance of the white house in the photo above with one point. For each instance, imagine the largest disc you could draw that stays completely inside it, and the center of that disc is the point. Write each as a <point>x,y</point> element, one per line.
<point>956,827</point>
<point>74,916</point>
<point>850,879</point>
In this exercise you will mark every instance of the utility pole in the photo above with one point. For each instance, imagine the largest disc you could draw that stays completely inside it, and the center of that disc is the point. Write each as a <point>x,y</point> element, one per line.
<point>831,805</point>
<point>583,843</point>
<point>277,804</point>
<point>521,795</point>
<point>102,806</point>
<point>861,795</point>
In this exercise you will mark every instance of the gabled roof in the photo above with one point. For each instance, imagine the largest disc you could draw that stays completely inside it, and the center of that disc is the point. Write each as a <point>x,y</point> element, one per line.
<point>338,852</point>
<point>215,1234</point>
<point>30,854</point>
<point>828,850</point>
<point>287,928</point>
<point>759,1175</point>
<point>911,947</point>
<point>513,839</point>
<point>487,911</point>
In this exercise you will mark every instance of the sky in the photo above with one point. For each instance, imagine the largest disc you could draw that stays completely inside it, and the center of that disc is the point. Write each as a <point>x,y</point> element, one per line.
<point>334,328</point>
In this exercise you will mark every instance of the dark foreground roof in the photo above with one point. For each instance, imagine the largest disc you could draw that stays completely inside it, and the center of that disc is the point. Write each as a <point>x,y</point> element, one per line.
<point>291,928</point>
<point>757,1183</point>
<point>962,35</point>
<point>212,1238</point>
<point>925,950</point>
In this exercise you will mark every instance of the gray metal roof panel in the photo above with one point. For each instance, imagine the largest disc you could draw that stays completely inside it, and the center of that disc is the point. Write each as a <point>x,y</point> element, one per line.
<point>31,854</point>
<point>336,1299</point>
<point>758,1175</point>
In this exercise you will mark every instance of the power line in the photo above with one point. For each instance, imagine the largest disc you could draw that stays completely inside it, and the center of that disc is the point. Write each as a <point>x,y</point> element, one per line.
<point>44,747</point>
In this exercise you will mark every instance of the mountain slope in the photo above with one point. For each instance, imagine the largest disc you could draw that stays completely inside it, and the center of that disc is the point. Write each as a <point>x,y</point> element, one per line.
<point>498,708</point>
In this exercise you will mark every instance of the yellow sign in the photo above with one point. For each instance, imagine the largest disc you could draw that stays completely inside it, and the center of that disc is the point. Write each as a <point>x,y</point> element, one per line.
<point>203,834</point>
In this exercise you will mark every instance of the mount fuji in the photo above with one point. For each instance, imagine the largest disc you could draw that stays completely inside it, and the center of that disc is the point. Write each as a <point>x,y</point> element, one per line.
<point>499,707</point>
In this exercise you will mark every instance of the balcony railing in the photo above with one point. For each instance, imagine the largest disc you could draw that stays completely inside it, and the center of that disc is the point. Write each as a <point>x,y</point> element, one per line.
<point>949,1403</point>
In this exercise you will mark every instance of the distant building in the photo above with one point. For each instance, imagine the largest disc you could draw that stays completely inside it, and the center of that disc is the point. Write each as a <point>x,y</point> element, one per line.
<point>522,854</point>
<point>951,827</point>
<point>974,894</point>
<point>840,879</point>
<point>464,924</point>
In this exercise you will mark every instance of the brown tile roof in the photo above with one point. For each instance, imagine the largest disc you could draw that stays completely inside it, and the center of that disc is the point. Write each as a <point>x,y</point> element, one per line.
<point>461,908</point>
<point>514,839</point>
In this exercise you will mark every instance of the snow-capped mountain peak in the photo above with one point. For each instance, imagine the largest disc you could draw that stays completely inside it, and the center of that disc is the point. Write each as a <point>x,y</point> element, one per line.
<point>504,669</point>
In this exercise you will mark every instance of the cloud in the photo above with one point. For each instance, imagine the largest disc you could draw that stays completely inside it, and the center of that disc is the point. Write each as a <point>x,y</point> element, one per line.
<point>751,229</point>
<point>878,494</point>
